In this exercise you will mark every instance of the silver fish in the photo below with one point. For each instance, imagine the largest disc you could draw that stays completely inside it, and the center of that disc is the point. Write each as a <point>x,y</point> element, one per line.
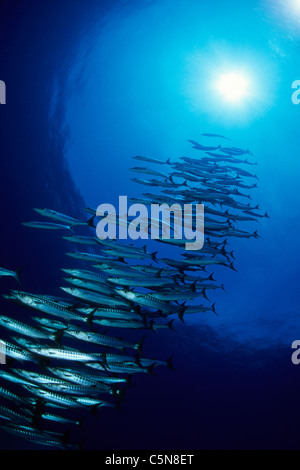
<point>7,272</point>
<point>71,221</point>
<point>47,225</point>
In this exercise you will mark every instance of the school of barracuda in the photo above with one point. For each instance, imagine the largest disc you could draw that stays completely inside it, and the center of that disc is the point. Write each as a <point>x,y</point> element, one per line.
<point>67,360</point>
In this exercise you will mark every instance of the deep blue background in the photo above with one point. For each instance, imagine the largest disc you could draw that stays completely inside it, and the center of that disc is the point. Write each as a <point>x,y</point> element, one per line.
<point>90,85</point>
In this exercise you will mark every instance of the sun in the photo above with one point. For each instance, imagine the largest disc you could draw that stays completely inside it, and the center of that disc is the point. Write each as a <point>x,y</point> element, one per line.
<point>233,87</point>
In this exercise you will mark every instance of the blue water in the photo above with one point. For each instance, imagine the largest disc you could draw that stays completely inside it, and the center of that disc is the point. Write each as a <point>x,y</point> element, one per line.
<point>91,85</point>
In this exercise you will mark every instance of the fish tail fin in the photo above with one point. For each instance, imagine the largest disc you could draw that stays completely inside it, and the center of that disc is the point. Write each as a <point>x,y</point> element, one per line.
<point>17,274</point>
<point>170,363</point>
<point>90,317</point>
<point>153,256</point>
<point>158,274</point>
<point>193,286</point>
<point>57,336</point>
<point>255,234</point>
<point>267,215</point>
<point>137,309</point>
<point>211,277</point>
<point>204,294</point>
<point>185,183</point>
<point>150,369</point>
<point>223,287</point>
<point>168,161</point>
<point>140,344</point>
<point>150,325</point>
<point>180,314</point>
<point>214,308</point>
<point>223,251</point>
<point>90,222</point>
<point>129,379</point>
<point>104,362</point>
<point>137,358</point>
<point>144,320</point>
<point>170,325</point>
<point>232,267</point>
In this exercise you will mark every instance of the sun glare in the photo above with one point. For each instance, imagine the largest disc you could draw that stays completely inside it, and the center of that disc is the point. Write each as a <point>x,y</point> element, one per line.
<point>233,87</point>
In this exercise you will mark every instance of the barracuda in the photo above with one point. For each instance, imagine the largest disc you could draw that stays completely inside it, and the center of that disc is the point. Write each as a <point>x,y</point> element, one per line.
<point>130,368</point>
<point>58,419</point>
<point>65,354</point>
<point>12,378</point>
<point>147,300</point>
<point>152,160</point>
<point>93,297</point>
<point>71,376</point>
<point>92,257</point>
<point>54,397</point>
<point>121,271</point>
<point>116,323</point>
<point>85,274</point>
<point>130,254</point>
<point>176,296</point>
<point>111,313</point>
<point>89,285</point>
<point>36,377</point>
<point>81,240</point>
<point>22,328</point>
<point>18,353</point>
<point>84,377</point>
<point>33,433</point>
<point>12,396</point>
<point>72,389</point>
<point>62,217</point>
<point>113,244</point>
<point>47,225</point>
<point>142,282</point>
<point>15,416</point>
<point>8,273</point>
<point>104,340</point>
<point>44,304</point>
<point>26,343</point>
<point>48,322</point>
<point>87,401</point>
<point>148,172</point>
